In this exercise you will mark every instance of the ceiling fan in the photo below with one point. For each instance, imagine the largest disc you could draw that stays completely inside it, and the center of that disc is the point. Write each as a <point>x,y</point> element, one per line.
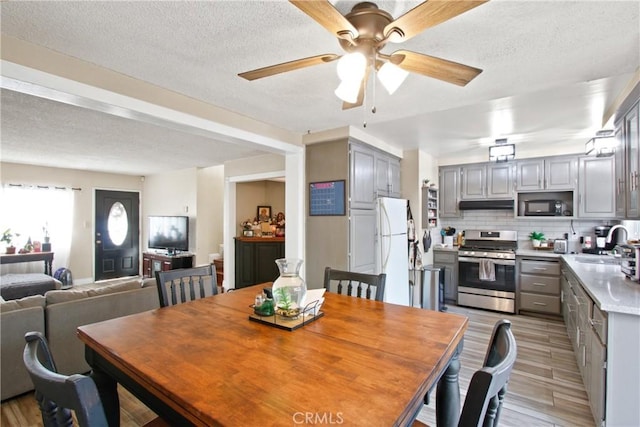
<point>363,32</point>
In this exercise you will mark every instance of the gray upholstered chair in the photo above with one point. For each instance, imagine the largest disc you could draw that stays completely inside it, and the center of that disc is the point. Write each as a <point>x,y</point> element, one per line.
<point>489,384</point>
<point>355,284</point>
<point>186,284</point>
<point>58,395</point>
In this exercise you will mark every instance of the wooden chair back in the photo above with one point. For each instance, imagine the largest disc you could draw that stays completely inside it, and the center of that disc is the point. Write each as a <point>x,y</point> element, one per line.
<point>57,395</point>
<point>186,284</point>
<point>359,285</point>
<point>488,385</point>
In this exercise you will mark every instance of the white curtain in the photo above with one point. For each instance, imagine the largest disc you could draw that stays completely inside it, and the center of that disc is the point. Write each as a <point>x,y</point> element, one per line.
<point>26,210</point>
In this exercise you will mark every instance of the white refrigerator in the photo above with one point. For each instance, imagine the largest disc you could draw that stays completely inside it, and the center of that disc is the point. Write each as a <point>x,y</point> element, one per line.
<point>392,254</point>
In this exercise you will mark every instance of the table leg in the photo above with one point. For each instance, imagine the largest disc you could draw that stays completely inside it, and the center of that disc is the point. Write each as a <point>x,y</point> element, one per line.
<point>108,390</point>
<point>48,267</point>
<point>448,393</point>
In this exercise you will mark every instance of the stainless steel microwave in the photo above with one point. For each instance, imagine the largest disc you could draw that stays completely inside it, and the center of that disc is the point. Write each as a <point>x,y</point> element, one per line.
<point>543,207</point>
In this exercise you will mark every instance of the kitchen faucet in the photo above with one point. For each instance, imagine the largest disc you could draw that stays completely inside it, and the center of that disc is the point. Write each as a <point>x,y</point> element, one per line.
<point>613,228</point>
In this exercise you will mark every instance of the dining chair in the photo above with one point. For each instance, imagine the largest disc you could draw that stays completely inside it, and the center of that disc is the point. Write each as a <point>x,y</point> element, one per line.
<point>186,284</point>
<point>59,396</point>
<point>354,284</point>
<point>488,385</point>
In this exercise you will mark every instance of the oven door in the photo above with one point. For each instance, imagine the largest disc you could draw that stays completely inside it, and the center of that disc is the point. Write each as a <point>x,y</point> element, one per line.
<point>505,272</point>
<point>498,295</point>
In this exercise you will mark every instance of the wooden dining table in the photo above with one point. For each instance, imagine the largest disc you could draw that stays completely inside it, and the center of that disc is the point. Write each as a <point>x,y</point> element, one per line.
<point>205,363</point>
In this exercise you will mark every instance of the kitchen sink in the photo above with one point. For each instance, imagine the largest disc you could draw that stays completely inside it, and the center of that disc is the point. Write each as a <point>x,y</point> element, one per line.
<point>597,259</point>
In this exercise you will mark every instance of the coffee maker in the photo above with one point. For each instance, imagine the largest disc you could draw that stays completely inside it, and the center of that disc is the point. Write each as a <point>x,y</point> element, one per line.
<point>601,246</point>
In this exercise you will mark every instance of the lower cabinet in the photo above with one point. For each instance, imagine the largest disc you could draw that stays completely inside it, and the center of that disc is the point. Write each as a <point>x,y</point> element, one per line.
<point>587,330</point>
<point>447,260</point>
<point>255,260</point>
<point>152,262</point>
<point>539,284</point>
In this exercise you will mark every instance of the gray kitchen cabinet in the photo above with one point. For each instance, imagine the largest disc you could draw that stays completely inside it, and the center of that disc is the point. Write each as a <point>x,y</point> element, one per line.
<point>486,181</point>
<point>596,365</point>
<point>621,170</point>
<point>530,174</point>
<point>387,175</point>
<point>473,179</point>
<point>596,198</point>
<point>362,226</point>
<point>539,285</point>
<point>550,173</point>
<point>447,260</point>
<point>588,330</point>
<point>362,174</point>
<point>449,177</point>
<point>632,140</point>
<point>500,180</point>
<point>627,159</point>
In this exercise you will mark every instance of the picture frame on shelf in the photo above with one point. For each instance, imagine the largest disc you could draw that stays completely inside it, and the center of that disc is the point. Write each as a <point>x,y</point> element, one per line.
<point>263,213</point>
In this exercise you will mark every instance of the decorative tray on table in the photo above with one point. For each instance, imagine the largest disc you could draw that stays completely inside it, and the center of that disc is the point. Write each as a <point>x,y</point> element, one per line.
<point>289,321</point>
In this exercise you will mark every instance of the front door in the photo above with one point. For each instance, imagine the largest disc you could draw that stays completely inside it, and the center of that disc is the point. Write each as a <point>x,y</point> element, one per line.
<point>117,237</point>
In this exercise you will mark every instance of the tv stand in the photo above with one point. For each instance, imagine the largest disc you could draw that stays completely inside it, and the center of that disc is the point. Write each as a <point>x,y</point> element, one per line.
<point>152,262</point>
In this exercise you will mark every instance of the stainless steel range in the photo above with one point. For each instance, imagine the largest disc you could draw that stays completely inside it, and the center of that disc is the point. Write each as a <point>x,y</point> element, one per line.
<point>487,270</point>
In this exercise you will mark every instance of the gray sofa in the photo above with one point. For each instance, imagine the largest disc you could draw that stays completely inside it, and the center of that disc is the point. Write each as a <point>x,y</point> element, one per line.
<point>57,314</point>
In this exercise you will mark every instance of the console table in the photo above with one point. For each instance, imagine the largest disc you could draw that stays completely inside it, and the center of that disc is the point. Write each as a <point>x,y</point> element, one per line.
<point>47,257</point>
<point>152,262</point>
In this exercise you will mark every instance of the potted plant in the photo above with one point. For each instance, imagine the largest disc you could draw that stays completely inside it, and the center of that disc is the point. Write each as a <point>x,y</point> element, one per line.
<point>536,238</point>
<point>7,237</point>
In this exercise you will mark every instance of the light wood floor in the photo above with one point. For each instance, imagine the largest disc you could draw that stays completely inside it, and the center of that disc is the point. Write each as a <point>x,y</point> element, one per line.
<point>545,387</point>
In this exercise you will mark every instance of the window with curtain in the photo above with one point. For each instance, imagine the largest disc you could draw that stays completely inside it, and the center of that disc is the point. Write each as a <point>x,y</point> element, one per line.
<point>26,210</point>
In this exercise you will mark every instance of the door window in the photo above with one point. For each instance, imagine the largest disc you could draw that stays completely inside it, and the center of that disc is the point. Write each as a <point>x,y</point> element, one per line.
<point>117,223</point>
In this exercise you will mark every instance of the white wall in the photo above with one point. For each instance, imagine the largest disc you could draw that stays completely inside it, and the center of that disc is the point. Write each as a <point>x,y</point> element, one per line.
<point>81,257</point>
<point>210,217</point>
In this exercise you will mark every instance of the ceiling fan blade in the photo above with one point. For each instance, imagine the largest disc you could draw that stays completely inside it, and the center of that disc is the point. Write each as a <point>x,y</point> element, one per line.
<point>288,66</point>
<point>363,88</point>
<point>328,16</point>
<point>438,68</point>
<point>427,14</point>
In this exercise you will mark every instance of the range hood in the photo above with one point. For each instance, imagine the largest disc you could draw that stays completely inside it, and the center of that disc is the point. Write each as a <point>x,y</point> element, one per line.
<point>467,205</point>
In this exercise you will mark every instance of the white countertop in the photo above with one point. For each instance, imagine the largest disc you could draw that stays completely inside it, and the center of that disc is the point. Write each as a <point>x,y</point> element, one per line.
<point>609,288</point>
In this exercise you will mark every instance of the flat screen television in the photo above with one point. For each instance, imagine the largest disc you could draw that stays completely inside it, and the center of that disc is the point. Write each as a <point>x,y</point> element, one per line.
<point>169,232</point>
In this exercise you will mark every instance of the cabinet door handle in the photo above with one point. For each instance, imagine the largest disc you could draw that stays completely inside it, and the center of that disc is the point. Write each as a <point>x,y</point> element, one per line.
<point>540,268</point>
<point>539,284</point>
<point>632,181</point>
<point>539,303</point>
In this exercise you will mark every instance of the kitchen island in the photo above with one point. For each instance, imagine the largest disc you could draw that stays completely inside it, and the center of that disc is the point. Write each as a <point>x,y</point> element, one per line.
<point>601,309</point>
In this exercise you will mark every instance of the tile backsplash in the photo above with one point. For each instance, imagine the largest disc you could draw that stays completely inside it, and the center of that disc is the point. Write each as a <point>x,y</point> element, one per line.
<point>551,227</point>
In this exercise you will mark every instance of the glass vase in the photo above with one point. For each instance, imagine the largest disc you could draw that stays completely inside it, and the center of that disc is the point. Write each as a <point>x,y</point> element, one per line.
<point>289,290</point>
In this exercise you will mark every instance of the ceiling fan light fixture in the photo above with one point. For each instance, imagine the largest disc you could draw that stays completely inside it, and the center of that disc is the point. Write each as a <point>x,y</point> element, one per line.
<point>391,76</point>
<point>348,91</point>
<point>351,67</point>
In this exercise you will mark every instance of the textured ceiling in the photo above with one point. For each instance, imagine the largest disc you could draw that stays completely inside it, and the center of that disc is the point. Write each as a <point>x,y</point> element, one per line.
<point>550,68</point>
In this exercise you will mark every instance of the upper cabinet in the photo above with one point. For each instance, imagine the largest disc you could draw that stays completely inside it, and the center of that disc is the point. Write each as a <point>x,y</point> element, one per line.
<point>627,158</point>
<point>373,174</point>
<point>387,175</point>
<point>487,180</point>
<point>552,173</point>
<point>474,181</point>
<point>500,180</point>
<point>449,191</point>
<point>363,194</point>
<point>620,160</point>
<point>596,198</point>
<point>633,160</point>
